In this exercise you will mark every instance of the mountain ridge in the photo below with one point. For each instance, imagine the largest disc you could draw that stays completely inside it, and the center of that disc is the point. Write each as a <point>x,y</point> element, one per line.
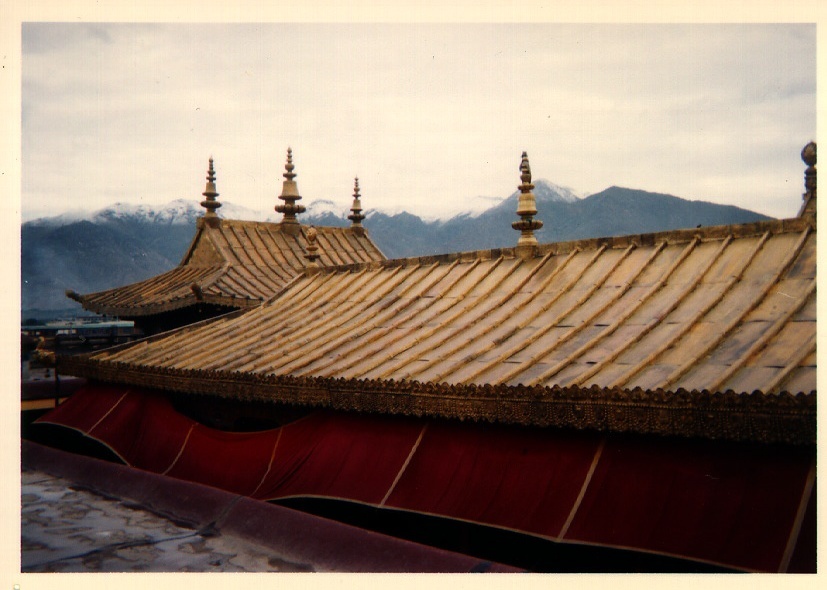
<point>131,243</point>
<point>185,211</point>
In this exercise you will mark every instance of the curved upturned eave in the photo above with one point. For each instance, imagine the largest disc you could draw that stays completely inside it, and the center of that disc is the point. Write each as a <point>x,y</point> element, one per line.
<point>171,305</point>
<point>165,292</point>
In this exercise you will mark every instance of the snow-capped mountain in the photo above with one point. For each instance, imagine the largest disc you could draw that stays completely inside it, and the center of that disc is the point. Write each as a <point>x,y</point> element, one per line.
<point>322,206</point>
<point>65,218</point>
<point>186,211</point>
<point>129,243</point>
<point>177,212</point>
<point>548,191</point>
<point>469,207</point>
<point>544,191</point>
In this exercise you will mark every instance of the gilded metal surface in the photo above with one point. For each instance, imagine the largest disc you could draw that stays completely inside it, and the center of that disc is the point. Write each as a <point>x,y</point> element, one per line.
<point>526,209</point>
<point>809,156</point>
<point>289,194</point>
<point>210,203</point>
<point>356,215</point>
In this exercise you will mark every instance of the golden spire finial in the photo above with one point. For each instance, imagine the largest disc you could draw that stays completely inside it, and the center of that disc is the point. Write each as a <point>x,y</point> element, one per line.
<point>525,171</point>
<point>210,203</point>
<point>809,156</point>
<point>526,208</point>
<point>289,194</point>
<point>289,175</point>
<point>356,209</point>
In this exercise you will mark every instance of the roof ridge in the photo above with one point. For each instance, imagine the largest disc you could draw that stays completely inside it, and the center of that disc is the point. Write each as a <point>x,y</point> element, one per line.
<point>675,236</point>
<point>276,224</point>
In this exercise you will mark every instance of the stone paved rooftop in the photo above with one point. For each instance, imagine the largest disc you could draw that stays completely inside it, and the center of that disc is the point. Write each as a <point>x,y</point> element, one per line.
<point>67,529</point>
<point>80,514</point>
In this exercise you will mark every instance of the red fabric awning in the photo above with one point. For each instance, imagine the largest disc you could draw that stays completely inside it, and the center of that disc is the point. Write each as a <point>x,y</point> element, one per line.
<point>732,504</point>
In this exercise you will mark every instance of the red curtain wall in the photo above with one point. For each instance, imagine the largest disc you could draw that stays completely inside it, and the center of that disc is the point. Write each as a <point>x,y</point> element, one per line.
<point>738,505</point>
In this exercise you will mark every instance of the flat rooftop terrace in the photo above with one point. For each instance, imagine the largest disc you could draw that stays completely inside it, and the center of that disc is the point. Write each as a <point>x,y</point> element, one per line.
<point>80,514</point>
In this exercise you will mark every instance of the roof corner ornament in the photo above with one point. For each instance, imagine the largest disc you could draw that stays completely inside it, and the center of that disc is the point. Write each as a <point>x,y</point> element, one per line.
<point>210,203</point>
<point>312,250</point>
<point>356,215</point>
<point>526,209</point>
<point>290,194</point>
<point>808,155</point>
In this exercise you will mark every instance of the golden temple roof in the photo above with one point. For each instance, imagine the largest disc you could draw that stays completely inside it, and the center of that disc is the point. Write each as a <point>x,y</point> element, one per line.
<point>701,332</point>
<point>731,308</point>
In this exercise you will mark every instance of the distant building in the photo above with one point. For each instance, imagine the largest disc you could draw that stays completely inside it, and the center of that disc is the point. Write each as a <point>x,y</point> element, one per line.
<point>58,333</point>
<point>639,403</point>
<point>232,265</point>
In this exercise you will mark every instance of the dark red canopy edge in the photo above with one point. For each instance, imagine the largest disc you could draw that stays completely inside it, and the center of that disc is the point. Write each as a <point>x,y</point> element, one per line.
<point>744,506</point>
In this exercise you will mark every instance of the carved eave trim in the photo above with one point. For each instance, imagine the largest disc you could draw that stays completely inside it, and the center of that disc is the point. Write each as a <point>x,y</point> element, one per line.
<point>757,417</point>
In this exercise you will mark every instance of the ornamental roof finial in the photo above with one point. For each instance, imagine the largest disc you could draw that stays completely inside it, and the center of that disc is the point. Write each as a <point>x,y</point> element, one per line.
<point>808,154</point>
<point>289,194</point>
<point>356,209</point>
<point>210,203</point>
<point>526,209</point>
<point>312,250</point>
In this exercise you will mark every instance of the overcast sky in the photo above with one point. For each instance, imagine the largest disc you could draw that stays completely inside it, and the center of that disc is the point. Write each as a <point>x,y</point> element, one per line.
<point>426,115</point>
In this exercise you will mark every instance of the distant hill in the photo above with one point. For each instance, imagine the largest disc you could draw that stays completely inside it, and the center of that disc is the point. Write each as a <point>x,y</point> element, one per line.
<point>90,257</point>
<point>123,244</point>
<point>612,212</point>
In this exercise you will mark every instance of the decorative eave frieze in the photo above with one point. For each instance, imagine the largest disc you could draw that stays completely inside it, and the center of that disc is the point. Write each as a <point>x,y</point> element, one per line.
<point>757,417</point>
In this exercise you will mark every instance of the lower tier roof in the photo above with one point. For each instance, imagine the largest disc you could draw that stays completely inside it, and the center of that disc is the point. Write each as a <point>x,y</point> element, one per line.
<point>233,263</point>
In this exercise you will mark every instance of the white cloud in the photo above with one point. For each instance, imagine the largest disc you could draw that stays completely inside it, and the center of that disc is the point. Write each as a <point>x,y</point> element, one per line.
<point>424,114</point>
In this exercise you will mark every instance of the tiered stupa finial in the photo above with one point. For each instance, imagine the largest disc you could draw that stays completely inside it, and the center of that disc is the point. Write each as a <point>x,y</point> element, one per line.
<point>312,249</point>
<point>526,208</point>
<point>356,209</point>
<point>809,155</point>
<point>210,203</point>
<point>289,194</point>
